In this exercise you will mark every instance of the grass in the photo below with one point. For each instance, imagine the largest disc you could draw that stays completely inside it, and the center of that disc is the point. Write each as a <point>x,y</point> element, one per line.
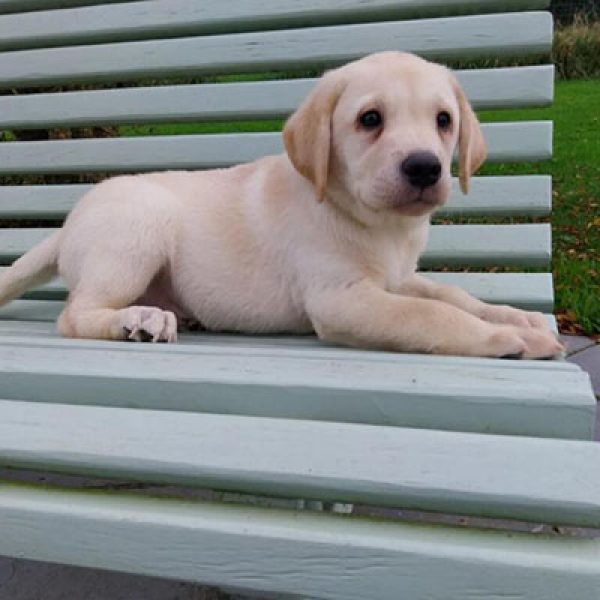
<point>575,168</point>
<point>576,47</point>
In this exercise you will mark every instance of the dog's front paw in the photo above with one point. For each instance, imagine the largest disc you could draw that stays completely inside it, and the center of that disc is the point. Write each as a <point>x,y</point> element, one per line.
<point>507,315</point>
<point>147,323</point>
<point>525,342</point>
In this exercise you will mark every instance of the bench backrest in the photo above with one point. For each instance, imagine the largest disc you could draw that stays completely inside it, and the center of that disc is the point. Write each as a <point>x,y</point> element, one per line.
<point>143,55</point>
<point>336,422</point>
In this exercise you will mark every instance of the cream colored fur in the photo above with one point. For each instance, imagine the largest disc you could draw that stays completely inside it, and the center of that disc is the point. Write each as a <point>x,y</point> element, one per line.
<point>325,237</point>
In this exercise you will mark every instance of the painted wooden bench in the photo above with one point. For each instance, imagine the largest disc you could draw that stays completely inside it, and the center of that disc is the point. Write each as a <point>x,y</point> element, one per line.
<point>279,417</point>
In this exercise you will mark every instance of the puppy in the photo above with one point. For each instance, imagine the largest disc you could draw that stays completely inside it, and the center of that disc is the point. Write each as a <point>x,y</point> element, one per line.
<point>324,238</point>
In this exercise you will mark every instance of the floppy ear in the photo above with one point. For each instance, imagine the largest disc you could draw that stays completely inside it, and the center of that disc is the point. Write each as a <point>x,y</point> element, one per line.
<point>307,133</point>
<point>471,145</point>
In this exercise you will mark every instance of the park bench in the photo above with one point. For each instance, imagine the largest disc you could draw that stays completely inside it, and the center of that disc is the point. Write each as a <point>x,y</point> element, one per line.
<point>241,456</point>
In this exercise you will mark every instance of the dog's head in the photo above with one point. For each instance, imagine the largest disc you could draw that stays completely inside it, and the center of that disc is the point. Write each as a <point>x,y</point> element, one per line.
<point>378,136</point>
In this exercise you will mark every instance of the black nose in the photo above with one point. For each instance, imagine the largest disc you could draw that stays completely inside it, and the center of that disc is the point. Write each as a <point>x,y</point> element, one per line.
<point>422,169</point>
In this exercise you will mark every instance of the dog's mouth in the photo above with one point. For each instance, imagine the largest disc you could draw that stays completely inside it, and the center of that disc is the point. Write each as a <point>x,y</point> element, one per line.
<point>417,202</point>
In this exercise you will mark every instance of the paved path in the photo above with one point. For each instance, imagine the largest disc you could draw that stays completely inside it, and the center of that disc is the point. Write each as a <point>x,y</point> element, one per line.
<point>585,353</point>
<point>26,580</point>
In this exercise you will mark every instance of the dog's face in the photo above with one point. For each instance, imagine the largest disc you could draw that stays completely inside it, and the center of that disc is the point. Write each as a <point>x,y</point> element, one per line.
<point>377,136</point>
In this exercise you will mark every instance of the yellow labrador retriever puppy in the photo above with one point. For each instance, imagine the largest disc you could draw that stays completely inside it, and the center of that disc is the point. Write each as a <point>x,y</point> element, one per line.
<point>323,238</point>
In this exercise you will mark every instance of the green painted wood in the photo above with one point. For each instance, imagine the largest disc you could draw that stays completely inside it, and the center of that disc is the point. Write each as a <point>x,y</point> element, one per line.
<point>520,141</point>
<point>534,479</point>
<point>43,334</point>
<point>481,245</point>
<point>316,555</point>
<point>177,18</point>
<point>14,6</point>
<point>487,88</point>
<point>509,87</point>
<point>31,310</point>
<point>519,195</point>
<point>375,388</point>
<point>446,38</point>
<point>527,245</point>
<point>39,201</point>
<point>528,195</point>
<point>532,291</point>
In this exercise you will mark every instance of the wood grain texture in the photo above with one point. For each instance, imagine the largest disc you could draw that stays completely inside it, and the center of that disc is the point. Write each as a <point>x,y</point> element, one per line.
<point>519,195</point>
<point>532,291</point>
<point>376,388</point>
<point>521,141</point>
<point>476,245</point>
<point>320,556</point>
<point>510,34</point>
<point>486,88</point>
<point>534,479</point>
<point>177,18</point>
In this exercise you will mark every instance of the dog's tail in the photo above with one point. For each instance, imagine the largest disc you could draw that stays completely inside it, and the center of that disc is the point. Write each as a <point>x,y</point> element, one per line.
<point>35,267</point>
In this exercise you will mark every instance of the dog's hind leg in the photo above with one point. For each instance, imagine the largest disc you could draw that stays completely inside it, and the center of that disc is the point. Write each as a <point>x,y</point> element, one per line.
<point>101,305</point>
<point>136,323</point>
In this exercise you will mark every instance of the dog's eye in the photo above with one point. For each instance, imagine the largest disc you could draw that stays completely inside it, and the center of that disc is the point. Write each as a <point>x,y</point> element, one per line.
<point>370,119</point>
<point>444,120</point>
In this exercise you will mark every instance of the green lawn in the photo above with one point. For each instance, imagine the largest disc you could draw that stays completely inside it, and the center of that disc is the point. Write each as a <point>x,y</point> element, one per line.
<point>575,169</point>
<point>576,172</point>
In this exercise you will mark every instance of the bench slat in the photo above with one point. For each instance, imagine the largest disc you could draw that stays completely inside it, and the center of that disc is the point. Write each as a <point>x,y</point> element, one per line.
<point>482,245</point>
<point>528,195</point>
<point>300,554</point>
<point>444,39</point>
<point>557,481</point>
<point>43,334</point>
<point>532,291</point>
<point>384,389</point>
<point>527,244</point>
<point>487,88</point>
<point>13,6</point>
<point>527,140</point>
<point>178,18</point>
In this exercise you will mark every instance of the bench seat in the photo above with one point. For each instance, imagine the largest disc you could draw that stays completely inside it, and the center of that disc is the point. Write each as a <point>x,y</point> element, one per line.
<point>297,552</point>
<point>300,378</point>
<point>236,461</point>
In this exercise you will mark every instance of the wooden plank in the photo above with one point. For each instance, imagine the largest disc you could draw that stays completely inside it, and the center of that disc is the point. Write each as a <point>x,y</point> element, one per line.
<point>14,6</point>
<point>532,291</point>
<point>555,482</point>
<point>480,245</point>
<point>510,87</point>
<point>518,195</point>
<point>315,555</point>
<point>43,334</point>
<point>32,310</point>
<point>529,195</point>
<point>382,390</point>
<point>526,140</point>
<point>39,201</point>
<point>509,34</point>
<point>177,18</point>
<point>449,245</point>
<point>487,88</point>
